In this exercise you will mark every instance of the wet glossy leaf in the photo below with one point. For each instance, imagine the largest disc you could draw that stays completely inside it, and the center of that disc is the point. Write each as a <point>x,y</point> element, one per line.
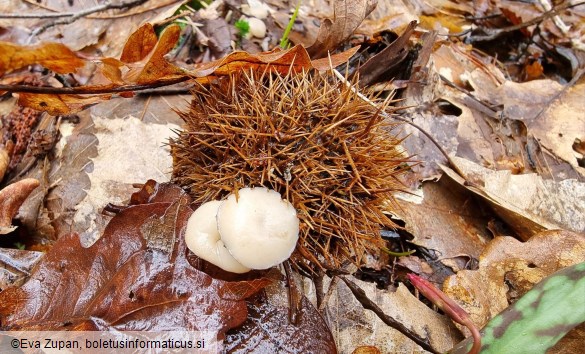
<point>268,330</point>
<point>136,277</point>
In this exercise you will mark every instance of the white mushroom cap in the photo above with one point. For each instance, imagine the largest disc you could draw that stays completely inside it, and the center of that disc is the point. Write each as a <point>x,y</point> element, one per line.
<point>260,229</point>
<point>202,238</point>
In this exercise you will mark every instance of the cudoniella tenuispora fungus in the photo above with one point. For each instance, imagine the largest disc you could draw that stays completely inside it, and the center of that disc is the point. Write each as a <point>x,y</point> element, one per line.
<point>256,229</point>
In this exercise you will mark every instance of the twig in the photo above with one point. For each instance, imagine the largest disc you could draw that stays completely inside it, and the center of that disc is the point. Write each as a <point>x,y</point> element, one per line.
<point>72,17</point>
<point>90,90</point>
<point>492,34</point>
<point>56,14</point>
<point>368,304</point>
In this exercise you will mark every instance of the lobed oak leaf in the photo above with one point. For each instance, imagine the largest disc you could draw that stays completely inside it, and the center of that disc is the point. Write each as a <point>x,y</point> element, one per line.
<point>136,277</point>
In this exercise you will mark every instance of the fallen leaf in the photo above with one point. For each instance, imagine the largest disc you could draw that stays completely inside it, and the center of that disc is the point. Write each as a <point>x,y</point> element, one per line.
<point>139,44</point>
<point>295,59</point>
<point>551,112</point>
<point>509,268</point>
<point>15,266</point>
<point>380,64</point>
<point>53,56</point>
<point>136,277</point>
<point>116,167</point>
<point>11,198</point>
<point>528,203</point>
<point>59,104</point>
<point>446,220</point>
<point>268,330</point>
<point>347,16</point>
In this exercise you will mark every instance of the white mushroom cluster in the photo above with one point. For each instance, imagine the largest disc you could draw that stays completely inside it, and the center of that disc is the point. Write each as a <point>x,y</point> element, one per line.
<point>256,230</point>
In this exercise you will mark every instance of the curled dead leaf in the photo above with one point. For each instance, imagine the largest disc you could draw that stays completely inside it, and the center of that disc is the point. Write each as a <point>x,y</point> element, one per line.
<point>53,56</point>
<point>348,15</point>
<point>139,44</point>
<point>11,198</point>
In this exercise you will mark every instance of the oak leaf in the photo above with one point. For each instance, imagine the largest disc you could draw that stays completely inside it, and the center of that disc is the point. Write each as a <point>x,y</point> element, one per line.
<point>138,276</point>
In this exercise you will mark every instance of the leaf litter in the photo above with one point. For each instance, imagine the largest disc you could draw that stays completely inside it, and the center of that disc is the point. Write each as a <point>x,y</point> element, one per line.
<point>507,132</point>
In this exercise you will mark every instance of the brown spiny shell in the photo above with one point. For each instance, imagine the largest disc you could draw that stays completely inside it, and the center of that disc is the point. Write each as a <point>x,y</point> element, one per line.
<point>307,136</point>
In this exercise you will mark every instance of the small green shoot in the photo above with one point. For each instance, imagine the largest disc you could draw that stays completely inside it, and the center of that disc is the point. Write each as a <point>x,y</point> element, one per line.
<point>284,44</point>
<point>243,28</point>
<point>20,246</point>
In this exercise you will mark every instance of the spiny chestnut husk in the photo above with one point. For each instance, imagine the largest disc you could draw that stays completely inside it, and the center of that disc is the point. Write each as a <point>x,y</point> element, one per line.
<point>307,136</point>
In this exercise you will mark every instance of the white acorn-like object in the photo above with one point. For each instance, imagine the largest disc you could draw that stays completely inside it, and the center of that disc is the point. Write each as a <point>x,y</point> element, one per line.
<point>256,230</point>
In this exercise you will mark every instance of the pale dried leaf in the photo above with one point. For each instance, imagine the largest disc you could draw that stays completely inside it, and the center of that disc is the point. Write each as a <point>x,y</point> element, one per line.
<point>509,268</point>
<point>528,203</point>
<point>346,18</point>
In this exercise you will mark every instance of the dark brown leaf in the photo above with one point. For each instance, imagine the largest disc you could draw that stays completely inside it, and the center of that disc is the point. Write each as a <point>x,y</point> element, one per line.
<point>136,277</point>
<point>268,330</point>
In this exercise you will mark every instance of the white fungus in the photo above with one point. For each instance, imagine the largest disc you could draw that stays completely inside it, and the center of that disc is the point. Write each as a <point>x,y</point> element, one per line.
<point>202,238</point>
<point>259,229</point>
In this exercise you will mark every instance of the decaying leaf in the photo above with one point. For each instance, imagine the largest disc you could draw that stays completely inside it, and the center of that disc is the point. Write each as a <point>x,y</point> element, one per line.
<point>528,203</point>
<point>447,221</point>
<point>11,198</point>
<point>136,277</point>
<point>115,168</point>
<point>268,330</point>
<point>347,16</point>
<point>16,266</point>
<point>509,268</point>
<point>295,59</point>
<point>380,64</point>
<point>59,104</point>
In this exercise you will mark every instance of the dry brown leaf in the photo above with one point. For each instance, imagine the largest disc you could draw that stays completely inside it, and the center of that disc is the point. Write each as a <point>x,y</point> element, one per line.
<point>139,44</point>
<point>60,104</point>
<point>295,59</point>
<point>156,67</point>
<point>509,268</point>
<point>374,69</point>
<point>448,221</point>
<point>552,113</point>
<point>528,203</point>
<point>347,16</point>
<point>11,198</point>
<point>53,56</point>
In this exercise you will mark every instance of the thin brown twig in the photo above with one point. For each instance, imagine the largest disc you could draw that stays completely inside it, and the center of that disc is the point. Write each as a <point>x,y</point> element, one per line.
<point>75,16</point>
<point>82,90</point>
<point>492,33</point>
<point>368,304</point>
<point>57,14</point>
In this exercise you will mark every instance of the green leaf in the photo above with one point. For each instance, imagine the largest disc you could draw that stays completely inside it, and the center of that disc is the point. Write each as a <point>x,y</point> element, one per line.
<point>539,319</point>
